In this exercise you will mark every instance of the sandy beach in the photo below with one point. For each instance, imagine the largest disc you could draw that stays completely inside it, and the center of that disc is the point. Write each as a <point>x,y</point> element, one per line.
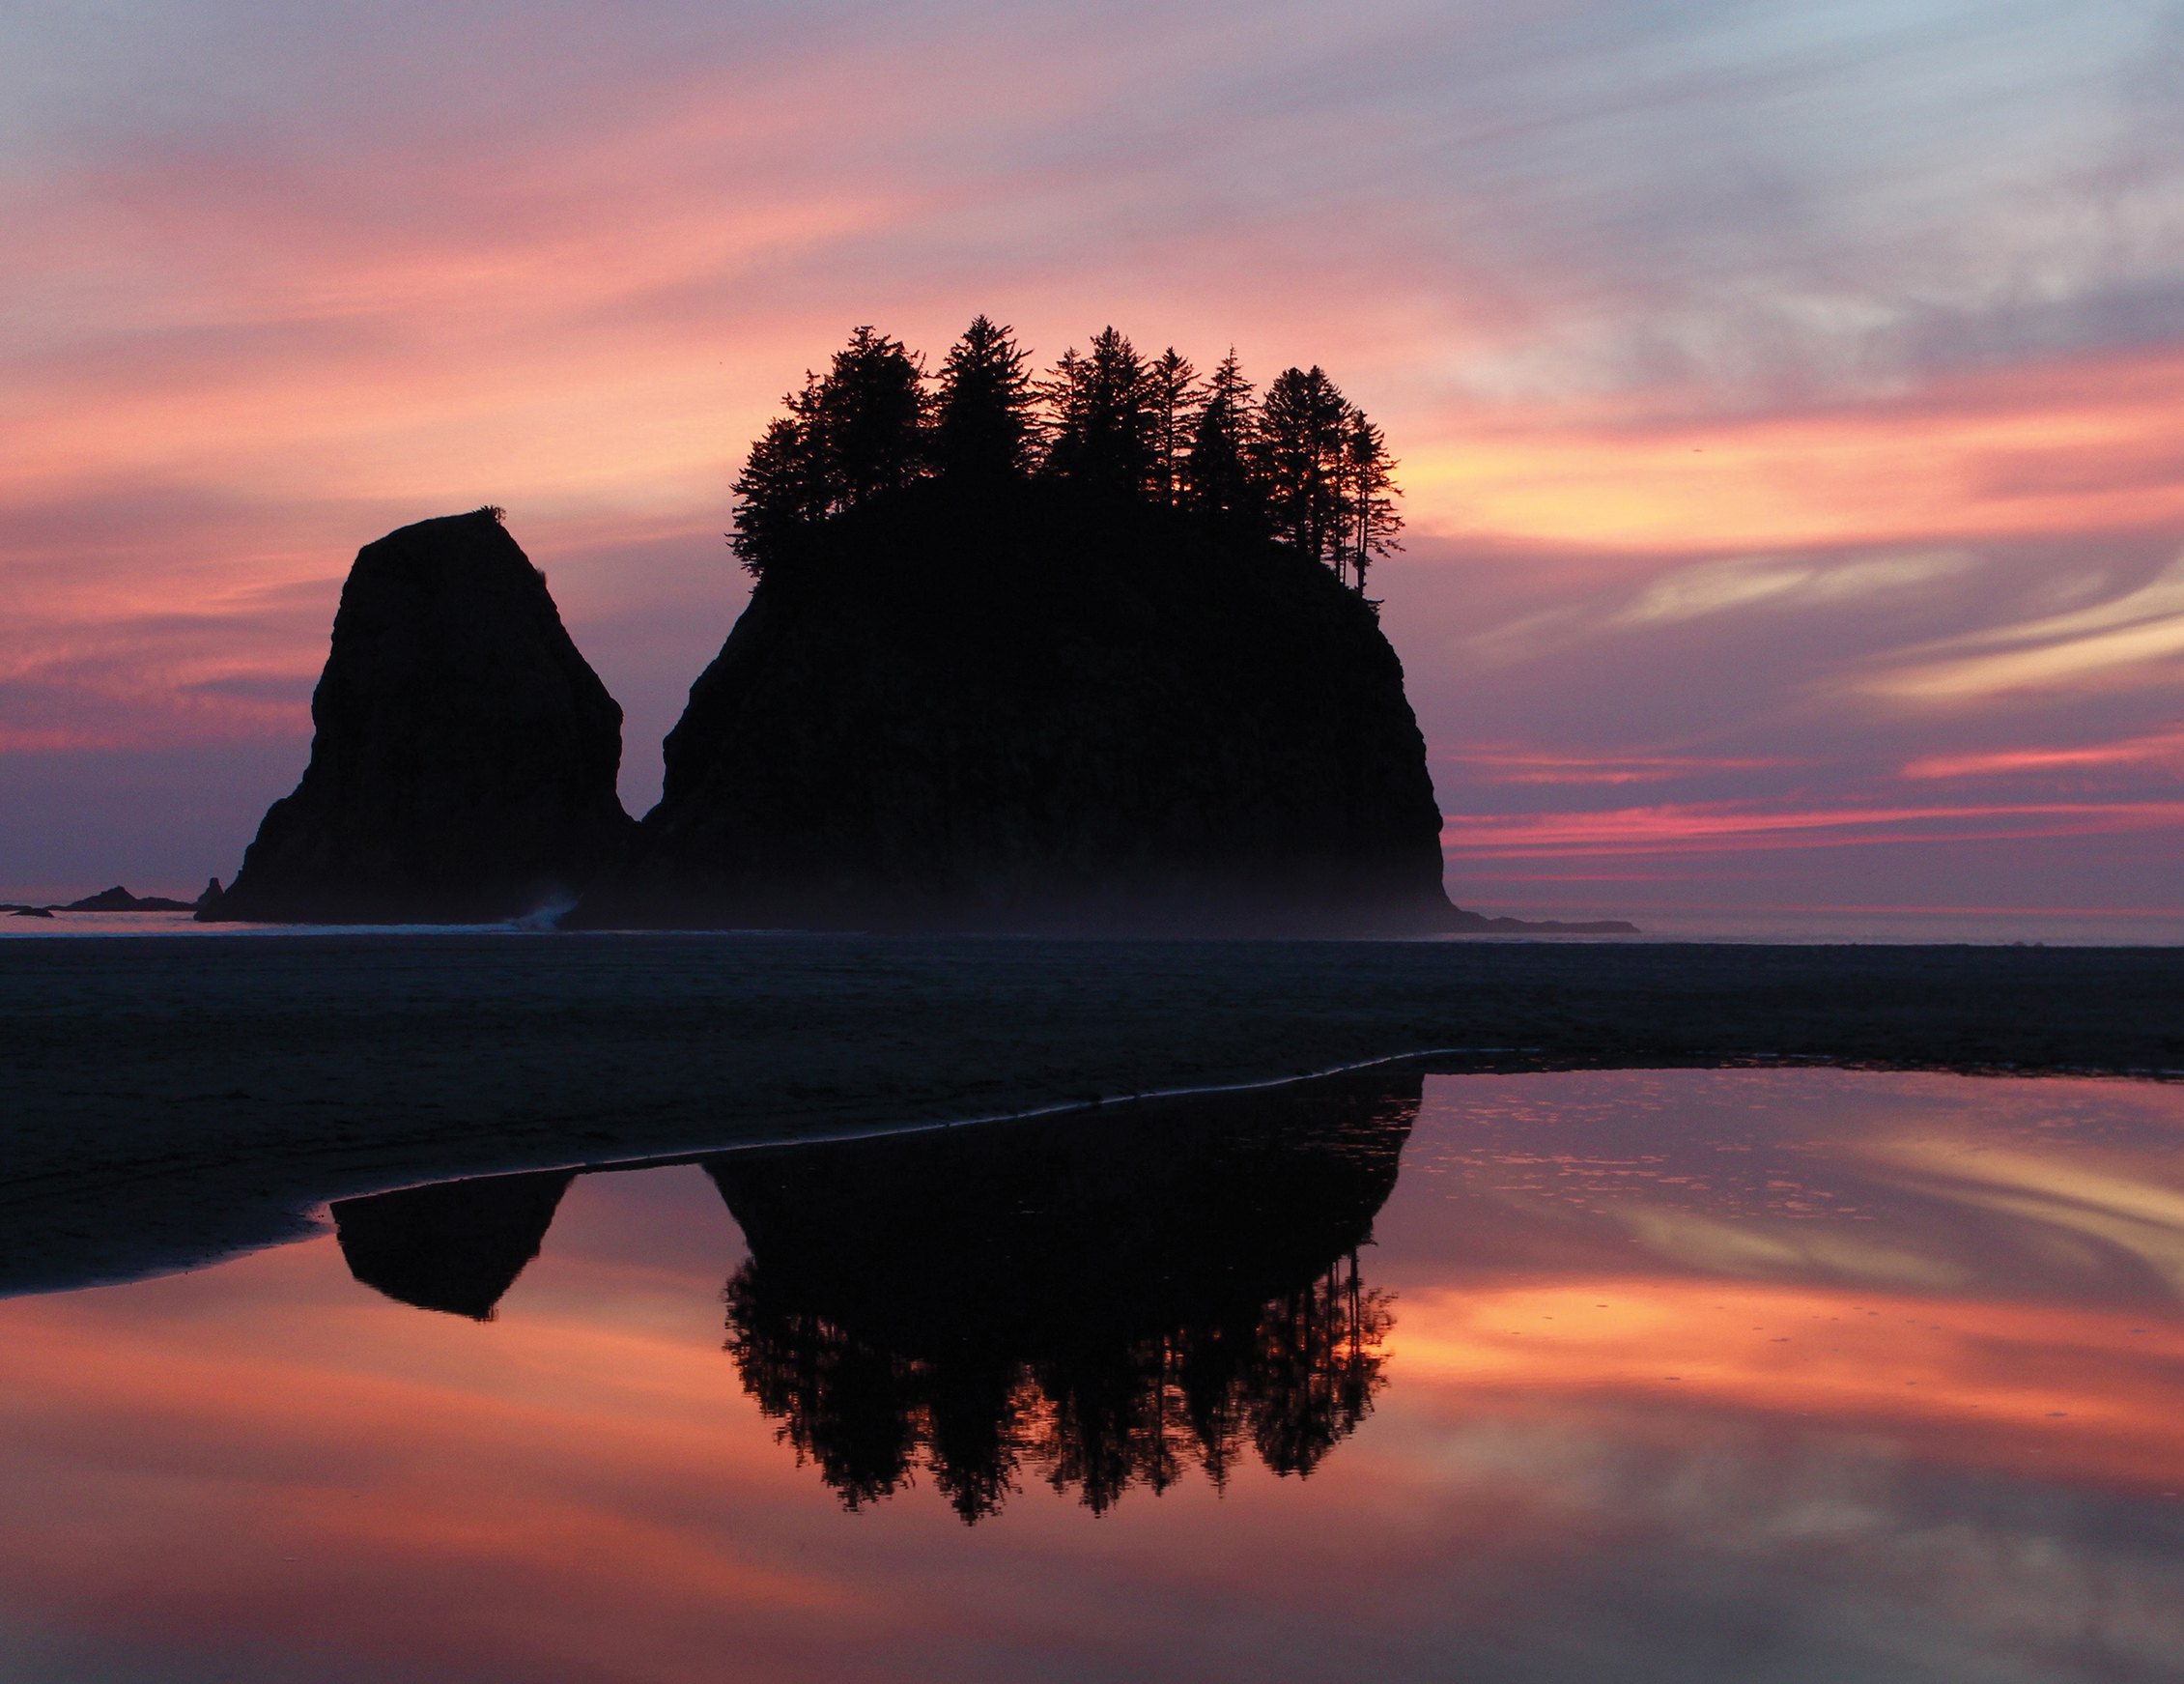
<point>172,1102</point>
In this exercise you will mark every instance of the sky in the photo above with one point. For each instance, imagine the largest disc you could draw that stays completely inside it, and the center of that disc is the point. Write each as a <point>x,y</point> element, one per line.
<point>1790,396</point>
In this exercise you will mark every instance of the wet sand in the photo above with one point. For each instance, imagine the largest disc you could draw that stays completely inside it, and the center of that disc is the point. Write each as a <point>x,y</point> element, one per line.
<point>174,1100</point>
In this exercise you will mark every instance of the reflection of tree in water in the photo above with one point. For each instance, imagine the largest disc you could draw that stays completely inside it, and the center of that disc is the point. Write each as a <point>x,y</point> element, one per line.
<point>1101,1304</point>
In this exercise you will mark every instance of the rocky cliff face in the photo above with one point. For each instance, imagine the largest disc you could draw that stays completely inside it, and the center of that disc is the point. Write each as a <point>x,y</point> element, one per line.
<point>1024,714</point>
<point>465,759</point>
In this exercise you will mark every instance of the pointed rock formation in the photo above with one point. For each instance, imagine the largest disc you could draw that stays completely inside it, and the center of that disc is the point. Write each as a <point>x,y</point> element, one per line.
<point>465,759</point>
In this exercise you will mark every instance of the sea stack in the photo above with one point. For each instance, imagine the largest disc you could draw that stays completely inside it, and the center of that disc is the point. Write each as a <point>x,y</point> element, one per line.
<point>465,759</point>
<point>1025,711</point>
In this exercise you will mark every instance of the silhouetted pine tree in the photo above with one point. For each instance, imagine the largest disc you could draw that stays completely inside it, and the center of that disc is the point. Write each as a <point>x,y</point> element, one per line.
<point>1172,398</point>
<point>869,419</point>
<point>1303,428</point>
<point>1101,415</point>
<point>1304,463</point>
<point>849,436</point>
<point>1218,482</point>
<point>984,428</point>
<point>778,495</point>
<point>1369,493</point>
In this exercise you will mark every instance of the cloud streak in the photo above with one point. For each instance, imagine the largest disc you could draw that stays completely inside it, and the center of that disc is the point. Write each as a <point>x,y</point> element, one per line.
<point>2092,646</point>
<point>2162,751</point>
<point>1685,829</point>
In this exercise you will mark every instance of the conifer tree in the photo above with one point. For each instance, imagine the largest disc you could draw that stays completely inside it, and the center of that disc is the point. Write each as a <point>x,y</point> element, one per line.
<point>1218,480</point>
<point>1300,455</point>
<point>984,428</point>
<point>1370,495</point>
<point>1101,416</point>
<point>855,432</point>
<point>1303,464</point>
<point>778,496</point>
<point>1173,397</point>
<point>867,419</point>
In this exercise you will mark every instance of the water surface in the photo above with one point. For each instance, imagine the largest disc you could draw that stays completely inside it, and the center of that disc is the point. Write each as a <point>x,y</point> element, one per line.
<point>1797,1375</point>
<point>1820,927</point>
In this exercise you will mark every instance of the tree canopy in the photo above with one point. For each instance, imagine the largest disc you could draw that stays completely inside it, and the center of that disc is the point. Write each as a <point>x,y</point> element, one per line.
<point>1302,465</point>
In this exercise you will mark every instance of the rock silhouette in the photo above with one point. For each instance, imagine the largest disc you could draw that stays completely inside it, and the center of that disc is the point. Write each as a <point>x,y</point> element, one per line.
<point>1020,708</point>
<point>1023,710</point>
<point>456,1246</point>
<point>465,759</point>
<point>1104,1303</point>
<point>120,899</point>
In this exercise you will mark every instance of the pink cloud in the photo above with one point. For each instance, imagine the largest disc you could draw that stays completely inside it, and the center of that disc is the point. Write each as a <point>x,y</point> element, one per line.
<point>2165,750</point>
<point>1505,763</point>
<point>1729,827</point>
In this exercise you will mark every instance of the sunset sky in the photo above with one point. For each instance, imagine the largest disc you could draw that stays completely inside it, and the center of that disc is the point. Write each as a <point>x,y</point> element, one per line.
<point>1790,396</point>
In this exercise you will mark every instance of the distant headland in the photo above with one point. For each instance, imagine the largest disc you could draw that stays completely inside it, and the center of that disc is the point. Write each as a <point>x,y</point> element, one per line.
<point>1084,654</point>
<point>114,899</point>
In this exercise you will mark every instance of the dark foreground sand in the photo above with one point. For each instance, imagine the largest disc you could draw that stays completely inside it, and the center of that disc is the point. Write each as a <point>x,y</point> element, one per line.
<point>172,1100</point>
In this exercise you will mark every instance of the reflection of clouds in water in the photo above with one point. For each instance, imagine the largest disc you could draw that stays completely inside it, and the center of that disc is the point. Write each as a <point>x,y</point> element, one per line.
<point>1785,1250</point>
<point>1732,1555</point>
<point>2056,1223</point>
<point>1957,1379</point>
<point>2053,1201</point>
<point>1912,1184</point>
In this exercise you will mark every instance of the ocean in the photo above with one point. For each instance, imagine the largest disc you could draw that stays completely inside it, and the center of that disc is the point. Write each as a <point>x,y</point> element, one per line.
<point>1798,927</point>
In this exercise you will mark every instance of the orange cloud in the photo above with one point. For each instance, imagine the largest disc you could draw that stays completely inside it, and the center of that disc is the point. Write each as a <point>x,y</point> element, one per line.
<point>1968,1382</point>
<point>2064,447</point>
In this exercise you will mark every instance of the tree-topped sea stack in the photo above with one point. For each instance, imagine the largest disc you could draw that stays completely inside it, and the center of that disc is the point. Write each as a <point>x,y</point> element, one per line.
<point>1090,654</point>
<point>465,759</point>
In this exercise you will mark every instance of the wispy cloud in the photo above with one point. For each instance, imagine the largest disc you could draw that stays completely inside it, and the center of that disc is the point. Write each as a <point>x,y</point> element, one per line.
<point>2106,644</point>
<point>2165,750</point>
<point>1729,827</point>
<point>1508,764</point>
<point>1745,581</point>
<point>1775,584</point>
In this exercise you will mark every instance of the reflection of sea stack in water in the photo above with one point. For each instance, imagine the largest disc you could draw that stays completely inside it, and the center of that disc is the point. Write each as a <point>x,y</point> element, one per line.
<point>1020,712</point>
<point>465,759</point>
<point>1104,1302</point>
<point>456,1246</point>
